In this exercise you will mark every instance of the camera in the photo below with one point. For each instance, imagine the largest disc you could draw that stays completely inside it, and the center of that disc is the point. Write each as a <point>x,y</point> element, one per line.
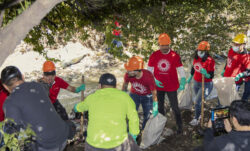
<point>217,117</point>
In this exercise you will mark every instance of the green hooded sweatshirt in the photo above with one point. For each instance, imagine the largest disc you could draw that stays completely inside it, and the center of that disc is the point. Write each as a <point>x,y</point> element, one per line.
<point>108,110</point>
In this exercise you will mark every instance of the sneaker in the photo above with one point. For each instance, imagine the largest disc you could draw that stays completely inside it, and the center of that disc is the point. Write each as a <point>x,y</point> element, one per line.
<point>194,122</point>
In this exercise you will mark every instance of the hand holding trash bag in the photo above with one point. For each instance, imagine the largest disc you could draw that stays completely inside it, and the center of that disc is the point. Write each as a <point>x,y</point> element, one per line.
<point>155,108</point>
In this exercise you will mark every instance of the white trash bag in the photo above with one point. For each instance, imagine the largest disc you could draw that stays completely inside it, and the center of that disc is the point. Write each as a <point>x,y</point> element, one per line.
<point>153,130</point>
<point>185,98</point>
<point>213,94</point>
<point>226,89</point>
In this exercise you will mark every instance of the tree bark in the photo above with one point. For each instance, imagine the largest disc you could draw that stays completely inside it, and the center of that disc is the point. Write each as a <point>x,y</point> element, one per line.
<point>1,18</point>
<point>12,34</point>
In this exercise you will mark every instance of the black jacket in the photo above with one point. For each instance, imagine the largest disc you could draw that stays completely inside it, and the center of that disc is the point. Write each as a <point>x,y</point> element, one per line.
<point>233,141</point>
<point>29,104</point>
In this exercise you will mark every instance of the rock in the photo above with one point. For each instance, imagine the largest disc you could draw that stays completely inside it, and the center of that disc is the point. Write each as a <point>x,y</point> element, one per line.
<point>73,61</point>
<point>167,132</point>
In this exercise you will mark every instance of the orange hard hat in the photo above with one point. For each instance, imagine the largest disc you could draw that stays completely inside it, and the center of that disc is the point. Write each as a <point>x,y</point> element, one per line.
<point>49,66</point>
<point>134,63</point>
<point>164,39</point>
<point>204,45</point>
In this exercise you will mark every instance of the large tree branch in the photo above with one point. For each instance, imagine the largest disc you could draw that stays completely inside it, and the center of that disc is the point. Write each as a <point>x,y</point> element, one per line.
<point>12,34</point>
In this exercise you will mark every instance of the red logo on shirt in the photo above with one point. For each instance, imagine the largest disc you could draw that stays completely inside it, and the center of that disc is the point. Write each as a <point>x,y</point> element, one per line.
<point>197,67</point>
<point>163,65</point>
<point>229,62</point>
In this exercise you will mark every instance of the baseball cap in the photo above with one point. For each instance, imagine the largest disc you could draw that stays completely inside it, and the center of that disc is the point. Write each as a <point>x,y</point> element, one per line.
<point>107,79</point>
<point>9,73</point>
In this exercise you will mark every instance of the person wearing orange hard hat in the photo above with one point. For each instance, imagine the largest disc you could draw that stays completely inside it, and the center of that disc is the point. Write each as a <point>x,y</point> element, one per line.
<point>53,84</point>
<point>203,64</point>
<point>165,64</point>
<point>238,64</point>
<point>28,107</point>
<point>143,88</point>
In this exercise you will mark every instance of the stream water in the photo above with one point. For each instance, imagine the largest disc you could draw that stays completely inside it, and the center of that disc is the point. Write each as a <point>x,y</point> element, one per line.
<point>69,99</point>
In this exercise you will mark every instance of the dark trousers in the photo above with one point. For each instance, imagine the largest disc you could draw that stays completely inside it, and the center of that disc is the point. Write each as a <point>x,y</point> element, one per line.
<point>61,110</point>
<point>172,96</point>
<point>246,93</point>
<point>59,148</point>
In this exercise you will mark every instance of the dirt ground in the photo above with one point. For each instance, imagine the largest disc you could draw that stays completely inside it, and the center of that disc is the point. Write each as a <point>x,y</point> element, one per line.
<point>191,137</point>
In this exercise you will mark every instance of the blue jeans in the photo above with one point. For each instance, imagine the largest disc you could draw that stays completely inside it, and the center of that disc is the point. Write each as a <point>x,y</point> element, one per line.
<point>147,104</point>
<point>246,93</point>
<point>198,92</point>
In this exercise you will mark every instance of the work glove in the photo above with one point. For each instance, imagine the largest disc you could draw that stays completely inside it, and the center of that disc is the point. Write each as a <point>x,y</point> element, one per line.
<point>189,79</point>
<point>80,88</point>
<point>158,83</point>
<point>134,136</point>
<point>204,72</point>
<point>222,73</point>
<point>182,84</point>
<point>155,108</point>
<point>75,114</point>
<point>240,75</point>
<point>75,109</point>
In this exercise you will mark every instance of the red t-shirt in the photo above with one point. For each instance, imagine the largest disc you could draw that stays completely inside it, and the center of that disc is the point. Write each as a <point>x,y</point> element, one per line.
<point>165,69</point>
<point>246,62</point>
<point>55,89</point>
<point>236,63</point>
<point>209,65</point>
<point>3,95</point>
<point>143,86</point>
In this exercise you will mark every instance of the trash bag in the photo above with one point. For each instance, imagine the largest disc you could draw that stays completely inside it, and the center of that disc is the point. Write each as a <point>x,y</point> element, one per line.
<point>185,98</point>
<point>213,94</point>
<point>226,89</point>
<point>153,130</point>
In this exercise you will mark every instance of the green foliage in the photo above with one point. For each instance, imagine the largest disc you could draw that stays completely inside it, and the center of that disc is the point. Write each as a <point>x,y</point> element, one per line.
<point>187,22</point>
<point>16,140</point>
<point>11,12</point>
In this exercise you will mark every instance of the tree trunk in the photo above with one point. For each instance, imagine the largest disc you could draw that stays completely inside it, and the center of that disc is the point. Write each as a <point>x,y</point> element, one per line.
<point>12,34</point>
